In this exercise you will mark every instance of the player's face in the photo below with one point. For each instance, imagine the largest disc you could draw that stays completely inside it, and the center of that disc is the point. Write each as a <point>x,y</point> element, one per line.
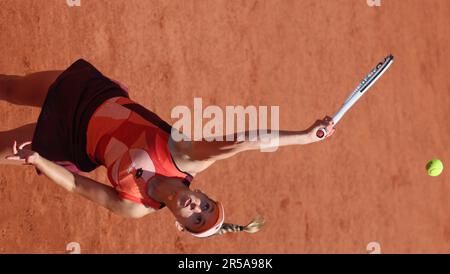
<point>195,211</point>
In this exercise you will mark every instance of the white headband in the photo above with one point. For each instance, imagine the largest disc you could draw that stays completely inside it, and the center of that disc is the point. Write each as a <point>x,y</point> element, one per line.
<point>216,227</point>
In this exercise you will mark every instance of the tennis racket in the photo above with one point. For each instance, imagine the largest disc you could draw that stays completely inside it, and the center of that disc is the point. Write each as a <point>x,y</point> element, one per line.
<point>359,91</point>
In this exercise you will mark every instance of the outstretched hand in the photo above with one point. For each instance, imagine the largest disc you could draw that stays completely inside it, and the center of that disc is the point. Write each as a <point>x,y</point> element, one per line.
<point>326,123</point>
<point>26,156</point>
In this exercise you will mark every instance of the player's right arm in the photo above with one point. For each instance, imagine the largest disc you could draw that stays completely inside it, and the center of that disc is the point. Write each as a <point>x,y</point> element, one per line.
<point>196,156</point>
<point>97,192</point>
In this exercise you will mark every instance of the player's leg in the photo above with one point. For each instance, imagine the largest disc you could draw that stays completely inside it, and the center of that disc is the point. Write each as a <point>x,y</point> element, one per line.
<point>21,135</point>
<point>28,90</point>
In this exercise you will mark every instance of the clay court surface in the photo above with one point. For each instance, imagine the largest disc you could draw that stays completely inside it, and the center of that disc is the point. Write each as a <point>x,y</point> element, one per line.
<point>366,184</point>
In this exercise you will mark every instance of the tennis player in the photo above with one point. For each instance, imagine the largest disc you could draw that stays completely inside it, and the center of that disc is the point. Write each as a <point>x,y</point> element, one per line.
<point>88,120</point>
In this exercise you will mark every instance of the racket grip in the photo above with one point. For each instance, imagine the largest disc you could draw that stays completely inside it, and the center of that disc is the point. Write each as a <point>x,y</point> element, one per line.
<point>321,133</point>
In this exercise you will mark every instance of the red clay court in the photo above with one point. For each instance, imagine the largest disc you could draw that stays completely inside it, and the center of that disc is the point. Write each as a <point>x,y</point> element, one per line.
<point>365,184</point>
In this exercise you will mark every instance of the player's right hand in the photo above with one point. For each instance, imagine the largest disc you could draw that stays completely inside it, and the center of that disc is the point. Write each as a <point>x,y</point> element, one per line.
<point>326,123</point>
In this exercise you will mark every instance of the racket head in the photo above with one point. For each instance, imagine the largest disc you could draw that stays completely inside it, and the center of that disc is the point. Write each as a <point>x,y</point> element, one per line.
<point>363,86</point>
<point>375,74</point>
<point>372,77</point>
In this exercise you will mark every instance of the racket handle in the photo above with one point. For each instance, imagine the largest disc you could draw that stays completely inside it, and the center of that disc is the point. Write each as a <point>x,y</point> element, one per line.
<point>321,133</point>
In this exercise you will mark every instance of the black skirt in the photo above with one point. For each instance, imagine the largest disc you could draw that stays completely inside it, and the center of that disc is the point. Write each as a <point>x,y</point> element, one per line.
<point>60,133</point>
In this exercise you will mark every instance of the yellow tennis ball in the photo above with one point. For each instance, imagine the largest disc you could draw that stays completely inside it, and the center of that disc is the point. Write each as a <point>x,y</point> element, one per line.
<point>435,167</point>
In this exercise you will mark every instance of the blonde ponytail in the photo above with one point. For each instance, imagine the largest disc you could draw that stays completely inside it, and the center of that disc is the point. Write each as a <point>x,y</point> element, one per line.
<point>253,227</point>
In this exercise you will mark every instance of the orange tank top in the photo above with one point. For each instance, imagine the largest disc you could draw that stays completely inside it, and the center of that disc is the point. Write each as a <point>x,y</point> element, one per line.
<point>132,143</point>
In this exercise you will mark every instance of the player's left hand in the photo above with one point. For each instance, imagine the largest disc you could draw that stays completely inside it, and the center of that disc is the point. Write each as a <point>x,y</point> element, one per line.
<point>26,156</point>
<point>326,123</point>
